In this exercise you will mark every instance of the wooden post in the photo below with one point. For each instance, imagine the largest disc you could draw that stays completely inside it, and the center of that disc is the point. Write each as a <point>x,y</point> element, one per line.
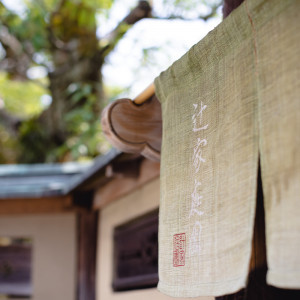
<point>87,248</point>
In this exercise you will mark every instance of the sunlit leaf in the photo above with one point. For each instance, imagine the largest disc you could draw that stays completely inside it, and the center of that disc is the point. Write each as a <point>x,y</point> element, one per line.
<point>22,98</point>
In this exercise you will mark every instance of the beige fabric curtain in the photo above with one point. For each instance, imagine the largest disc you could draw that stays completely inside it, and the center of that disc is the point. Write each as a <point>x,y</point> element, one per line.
<point>230,98</point>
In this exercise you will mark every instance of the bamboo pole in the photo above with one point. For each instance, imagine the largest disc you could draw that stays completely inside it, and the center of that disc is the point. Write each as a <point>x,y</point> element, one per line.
<point>145,95</point>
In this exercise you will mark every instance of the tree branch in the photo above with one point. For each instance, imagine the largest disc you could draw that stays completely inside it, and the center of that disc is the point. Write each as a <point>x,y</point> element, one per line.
<point>141,11</point>
<point>10,41</point>
<point>16,61</point>
<point>19,54</point>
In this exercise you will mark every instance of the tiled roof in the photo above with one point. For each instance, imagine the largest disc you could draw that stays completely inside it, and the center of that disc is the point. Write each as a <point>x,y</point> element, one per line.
<point>44,180</point>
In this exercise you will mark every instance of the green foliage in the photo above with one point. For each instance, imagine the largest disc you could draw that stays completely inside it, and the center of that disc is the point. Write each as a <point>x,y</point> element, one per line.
<point>34,143</point>
<point>61,36</point>
<point>89,142</point>
<point>82,123</point>
<point>34,29</point>
<point>85,139</point>
<point>69,18</point>
<point>77,91</point>
<point>73,19</point>
<point>31,27</point>
<point>21,98</point>
<point>43,23</point>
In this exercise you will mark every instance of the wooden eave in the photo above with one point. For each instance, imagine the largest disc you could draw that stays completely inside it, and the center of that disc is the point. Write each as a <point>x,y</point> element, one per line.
<point>53,188</point>
<point>17,206</point>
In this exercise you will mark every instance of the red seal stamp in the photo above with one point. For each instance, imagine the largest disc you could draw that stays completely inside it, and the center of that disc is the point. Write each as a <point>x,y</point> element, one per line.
<point>179,242</point>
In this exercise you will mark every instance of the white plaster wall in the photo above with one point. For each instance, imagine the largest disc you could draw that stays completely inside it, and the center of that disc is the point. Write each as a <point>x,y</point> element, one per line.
<point>54,252</point>
<point>124,209</point>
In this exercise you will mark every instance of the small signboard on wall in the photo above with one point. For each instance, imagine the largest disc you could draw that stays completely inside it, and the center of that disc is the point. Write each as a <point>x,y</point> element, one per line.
<point>136,253</point>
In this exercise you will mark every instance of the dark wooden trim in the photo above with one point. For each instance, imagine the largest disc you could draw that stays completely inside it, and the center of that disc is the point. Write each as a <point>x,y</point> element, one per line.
<point>119,187</point>
<point>36,205</point>
<point>87,225</point>
<point>258,289</point>
<point>83,199</point>
<point>258,255</point>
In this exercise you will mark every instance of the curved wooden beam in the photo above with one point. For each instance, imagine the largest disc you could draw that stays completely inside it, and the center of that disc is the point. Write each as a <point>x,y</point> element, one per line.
<point>134,128</point>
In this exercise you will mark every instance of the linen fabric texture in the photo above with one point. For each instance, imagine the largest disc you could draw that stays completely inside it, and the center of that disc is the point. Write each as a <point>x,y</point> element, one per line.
<point>231,98</point>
